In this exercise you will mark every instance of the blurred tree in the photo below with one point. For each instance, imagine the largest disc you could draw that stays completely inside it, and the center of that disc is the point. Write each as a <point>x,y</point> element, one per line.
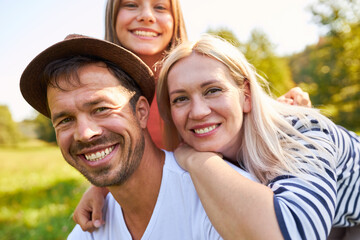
<point>260,52</point>
<point>9,134</point>
<point>226,34</point>
<point>330,70</point>
<point>335,16</point>
<point>44,129</point>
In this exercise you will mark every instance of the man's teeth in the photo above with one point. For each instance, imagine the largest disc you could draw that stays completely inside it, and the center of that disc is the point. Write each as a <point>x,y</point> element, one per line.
<point>204,130</point>
<point>145,34</point>
<point>98,155</point>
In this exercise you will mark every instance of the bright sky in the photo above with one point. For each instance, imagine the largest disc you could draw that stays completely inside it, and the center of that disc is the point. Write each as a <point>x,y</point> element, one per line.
<point>29,27</point>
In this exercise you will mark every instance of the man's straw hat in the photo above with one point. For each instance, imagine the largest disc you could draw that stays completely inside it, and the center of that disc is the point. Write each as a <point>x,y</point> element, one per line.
<point>33,86</point>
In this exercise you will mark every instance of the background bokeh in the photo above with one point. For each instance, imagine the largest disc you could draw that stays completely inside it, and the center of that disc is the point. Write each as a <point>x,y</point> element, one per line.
<point>314,44</point>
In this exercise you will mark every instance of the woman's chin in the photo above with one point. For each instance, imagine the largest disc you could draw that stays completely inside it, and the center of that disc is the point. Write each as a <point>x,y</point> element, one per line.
<point>206,149</point>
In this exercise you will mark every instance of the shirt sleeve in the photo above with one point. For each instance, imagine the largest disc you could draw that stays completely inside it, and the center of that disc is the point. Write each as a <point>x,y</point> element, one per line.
<point>305,204</point>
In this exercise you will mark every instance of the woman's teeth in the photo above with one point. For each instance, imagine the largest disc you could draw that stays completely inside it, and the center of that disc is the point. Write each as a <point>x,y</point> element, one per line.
<point>93,157</point>
<point>204,130</point>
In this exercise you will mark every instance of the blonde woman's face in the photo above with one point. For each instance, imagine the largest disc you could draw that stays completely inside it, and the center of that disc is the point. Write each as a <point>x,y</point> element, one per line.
<point>206,105</point>
<point>145,27</point>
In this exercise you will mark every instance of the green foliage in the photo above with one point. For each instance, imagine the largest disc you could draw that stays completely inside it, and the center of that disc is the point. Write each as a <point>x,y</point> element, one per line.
<point>45,129</point>
<point>336,16</point>
<point>260,52</point>
<point>9,134</point>
<point>330,70</point>
<point>226,34</point>
<point>38,193</point>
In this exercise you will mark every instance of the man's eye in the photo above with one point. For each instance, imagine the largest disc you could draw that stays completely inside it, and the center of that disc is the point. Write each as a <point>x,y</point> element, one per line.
<point>65,120</point>
<point>100,109</point>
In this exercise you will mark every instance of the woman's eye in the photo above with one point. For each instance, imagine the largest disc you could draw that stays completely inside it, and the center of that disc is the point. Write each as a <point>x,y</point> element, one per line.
<point>179,99</point>
<point>213,90</point>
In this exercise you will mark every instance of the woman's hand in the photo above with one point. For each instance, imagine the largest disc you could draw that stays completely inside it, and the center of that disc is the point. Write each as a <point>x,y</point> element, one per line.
<point>184,154</point>
<point>296,96</point>
<point>88,213</point>
<point>236,206</point>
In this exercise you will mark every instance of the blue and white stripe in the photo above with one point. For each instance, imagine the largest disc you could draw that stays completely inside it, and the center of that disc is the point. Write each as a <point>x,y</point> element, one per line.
<point>309,205</point>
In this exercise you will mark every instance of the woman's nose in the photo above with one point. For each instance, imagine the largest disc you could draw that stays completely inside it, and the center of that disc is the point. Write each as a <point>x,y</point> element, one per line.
<point>199,109</point>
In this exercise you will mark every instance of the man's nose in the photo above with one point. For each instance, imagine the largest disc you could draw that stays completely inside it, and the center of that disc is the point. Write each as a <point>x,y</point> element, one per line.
<point>86,129</point>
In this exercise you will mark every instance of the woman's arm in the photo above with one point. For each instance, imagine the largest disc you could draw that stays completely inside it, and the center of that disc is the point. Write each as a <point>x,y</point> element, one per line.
<point>88,213</point>
<point>238,208</point>
<point>300,207</point>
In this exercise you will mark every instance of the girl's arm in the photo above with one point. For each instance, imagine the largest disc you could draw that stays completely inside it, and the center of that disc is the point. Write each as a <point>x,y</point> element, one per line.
<point>296,96</point>
<point>88,213</point>
<point>238,208</point>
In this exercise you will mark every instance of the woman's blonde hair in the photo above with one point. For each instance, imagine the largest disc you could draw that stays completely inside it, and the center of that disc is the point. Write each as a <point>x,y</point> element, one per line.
<point>112,10</point>
<point>268,139</point>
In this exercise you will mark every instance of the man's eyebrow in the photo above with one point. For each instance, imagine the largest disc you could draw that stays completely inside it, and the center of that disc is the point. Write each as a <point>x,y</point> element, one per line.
<point>85,105</point>
<point>56,116</point>
<point>93,103</point>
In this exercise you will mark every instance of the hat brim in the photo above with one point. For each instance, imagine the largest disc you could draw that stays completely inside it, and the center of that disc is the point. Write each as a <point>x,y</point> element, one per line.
<point>32,86</point>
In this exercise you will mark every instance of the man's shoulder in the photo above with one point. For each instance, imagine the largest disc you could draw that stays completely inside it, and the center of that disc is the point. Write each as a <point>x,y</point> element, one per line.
<point>78,234</point>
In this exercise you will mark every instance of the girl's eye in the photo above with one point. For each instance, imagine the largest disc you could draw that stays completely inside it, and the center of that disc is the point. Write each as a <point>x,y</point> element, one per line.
<point>213,90</point>
<point>160,7</point>
<point>179,99</point>
<point>129,5</point>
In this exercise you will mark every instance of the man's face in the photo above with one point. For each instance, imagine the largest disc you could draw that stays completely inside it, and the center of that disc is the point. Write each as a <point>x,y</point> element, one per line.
<point>96,129</point>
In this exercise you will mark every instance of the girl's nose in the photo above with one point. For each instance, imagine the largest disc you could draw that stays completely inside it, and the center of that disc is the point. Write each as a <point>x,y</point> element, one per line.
<point>146,15</point>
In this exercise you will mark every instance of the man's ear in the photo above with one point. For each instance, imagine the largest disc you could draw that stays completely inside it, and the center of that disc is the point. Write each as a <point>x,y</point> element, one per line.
<point>142,111</point>
<point>247,97</point>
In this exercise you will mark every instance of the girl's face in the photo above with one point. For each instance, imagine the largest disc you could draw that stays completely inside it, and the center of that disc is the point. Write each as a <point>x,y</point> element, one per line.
<point>206,105</point>
<point>145,27</point>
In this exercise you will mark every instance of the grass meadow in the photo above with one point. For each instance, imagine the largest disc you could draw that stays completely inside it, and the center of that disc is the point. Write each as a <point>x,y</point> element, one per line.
<point>38,193</point>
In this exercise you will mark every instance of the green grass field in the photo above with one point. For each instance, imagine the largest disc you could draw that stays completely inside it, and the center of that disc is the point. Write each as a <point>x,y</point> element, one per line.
<point>38,193</point>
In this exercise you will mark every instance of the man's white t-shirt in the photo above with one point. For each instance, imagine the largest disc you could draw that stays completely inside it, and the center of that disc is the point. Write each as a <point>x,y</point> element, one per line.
<point>178,213</point>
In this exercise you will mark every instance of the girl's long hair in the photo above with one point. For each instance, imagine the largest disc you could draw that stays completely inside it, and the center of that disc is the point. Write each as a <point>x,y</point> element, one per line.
<point>179,32</point>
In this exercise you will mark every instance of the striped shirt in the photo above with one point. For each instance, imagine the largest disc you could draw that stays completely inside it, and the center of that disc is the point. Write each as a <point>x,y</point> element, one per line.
<point>308,206</point>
